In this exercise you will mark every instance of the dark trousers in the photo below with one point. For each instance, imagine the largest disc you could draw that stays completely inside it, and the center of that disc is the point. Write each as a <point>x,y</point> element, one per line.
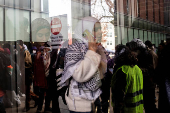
<point>149,100</point>
<point>78,112</point>
<point>41,93</point>
<point>28,95</point>
<point>52,95</point>
<point>2,108</point>
<point>105,96</point>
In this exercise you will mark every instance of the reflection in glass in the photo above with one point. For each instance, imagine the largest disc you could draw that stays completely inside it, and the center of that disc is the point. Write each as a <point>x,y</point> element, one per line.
<point>124,37</point>
<point>25,4</point>
<point>145,25</point>
<point>153,38</point>
<point>1,2</point>
<point>22,25</point>
<point>145,36</point>
<point>149,36</point>
<point>141,34</point>
<point>10,25</point>
<point>141,24</point>
<point>9,3</point>
<point>136,33</point>
<point>130,34</point>
<point>156,39</point>
<point>1,24</point>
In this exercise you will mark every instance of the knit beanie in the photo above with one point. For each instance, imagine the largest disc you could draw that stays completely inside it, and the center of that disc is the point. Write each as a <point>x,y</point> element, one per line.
<point>135,43</point>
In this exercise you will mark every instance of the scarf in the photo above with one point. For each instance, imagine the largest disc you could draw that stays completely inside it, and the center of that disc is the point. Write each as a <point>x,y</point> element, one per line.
<point>74,55</point>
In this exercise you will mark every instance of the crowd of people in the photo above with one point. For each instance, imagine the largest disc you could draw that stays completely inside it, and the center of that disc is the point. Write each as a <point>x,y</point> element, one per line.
<point>83,73</point>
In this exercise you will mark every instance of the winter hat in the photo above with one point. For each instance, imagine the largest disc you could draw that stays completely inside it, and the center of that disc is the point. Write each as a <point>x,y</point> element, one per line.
<point>120,50</point>
<point>135,43</point>
<point>47,46</point>
<point>34,48</point>
<point>6,50</point>
<point>148,43</point>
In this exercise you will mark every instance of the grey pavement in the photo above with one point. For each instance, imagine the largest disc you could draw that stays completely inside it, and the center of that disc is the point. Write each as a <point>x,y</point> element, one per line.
<point>63,107</point>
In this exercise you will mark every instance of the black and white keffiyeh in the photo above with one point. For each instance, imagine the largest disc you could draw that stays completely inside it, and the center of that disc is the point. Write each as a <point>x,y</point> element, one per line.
<point>87,90</point>
<point>75,53</point>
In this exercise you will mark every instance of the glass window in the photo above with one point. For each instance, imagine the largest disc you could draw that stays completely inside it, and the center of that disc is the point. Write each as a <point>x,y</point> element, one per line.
<point>145,25</point>
<point>45,6</point>
<point>156,39</point>
<point>134,22</point>
<point>110,42</point>
<point>109,34</point>
<point>130,21</point>
<point>121,20</point>
<point>107,42</point>
<point>115,18</point>
<point>1,24</point>
<point>158,28</point>
<point>9,3</point>
<point>35,15</point>
<point>25,4</point>
<point>130,34</point>
<point>164,37</point>
<point>159,38</point>
<point>117,35</point>
<point>153,38</point>
<point>149,26</point>
<point>10,25</point>
<point>141,24</point>
<point>149,36</point>
<point>17,22</point>
<point>136,33</point>
<point>126,18</point>
<point>36,5</point>
<point>145,36</point>
<point>141,34</point>
<point>155,27</point>
<point>1,2</point>
<point>124,36</point>
<point>22,25</point>
<point>109,26</point>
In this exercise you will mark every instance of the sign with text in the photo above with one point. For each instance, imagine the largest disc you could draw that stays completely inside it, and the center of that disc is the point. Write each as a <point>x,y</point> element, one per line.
<point>59,31</point>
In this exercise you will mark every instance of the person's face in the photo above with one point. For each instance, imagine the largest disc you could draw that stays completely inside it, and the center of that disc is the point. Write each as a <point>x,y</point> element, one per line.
<point>43,35</point>
<point>97,32</point>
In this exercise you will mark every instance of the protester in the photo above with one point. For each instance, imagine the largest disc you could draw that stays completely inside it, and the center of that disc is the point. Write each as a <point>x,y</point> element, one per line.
<point>83,66</point>
<point>127,83</point>
<point>164,79</point>
<point>5,76</point>
<point>40,35</point>
<point>147,63</point>
<point>25,57</point>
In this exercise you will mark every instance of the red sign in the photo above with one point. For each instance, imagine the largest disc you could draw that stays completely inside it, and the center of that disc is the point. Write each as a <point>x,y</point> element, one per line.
<point>56,26</point>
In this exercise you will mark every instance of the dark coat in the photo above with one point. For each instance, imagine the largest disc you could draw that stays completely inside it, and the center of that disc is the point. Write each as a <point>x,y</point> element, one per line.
<point>39,73</point>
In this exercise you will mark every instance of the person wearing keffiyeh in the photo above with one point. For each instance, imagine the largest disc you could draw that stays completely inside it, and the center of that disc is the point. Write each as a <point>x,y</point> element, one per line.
<point>85,63</point>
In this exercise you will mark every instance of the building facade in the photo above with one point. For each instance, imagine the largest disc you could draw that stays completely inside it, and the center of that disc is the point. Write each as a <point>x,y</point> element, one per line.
<point>144,19</point>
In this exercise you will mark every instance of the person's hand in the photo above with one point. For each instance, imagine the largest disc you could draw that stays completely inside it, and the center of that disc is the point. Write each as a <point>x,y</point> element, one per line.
<point>93,46</point>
